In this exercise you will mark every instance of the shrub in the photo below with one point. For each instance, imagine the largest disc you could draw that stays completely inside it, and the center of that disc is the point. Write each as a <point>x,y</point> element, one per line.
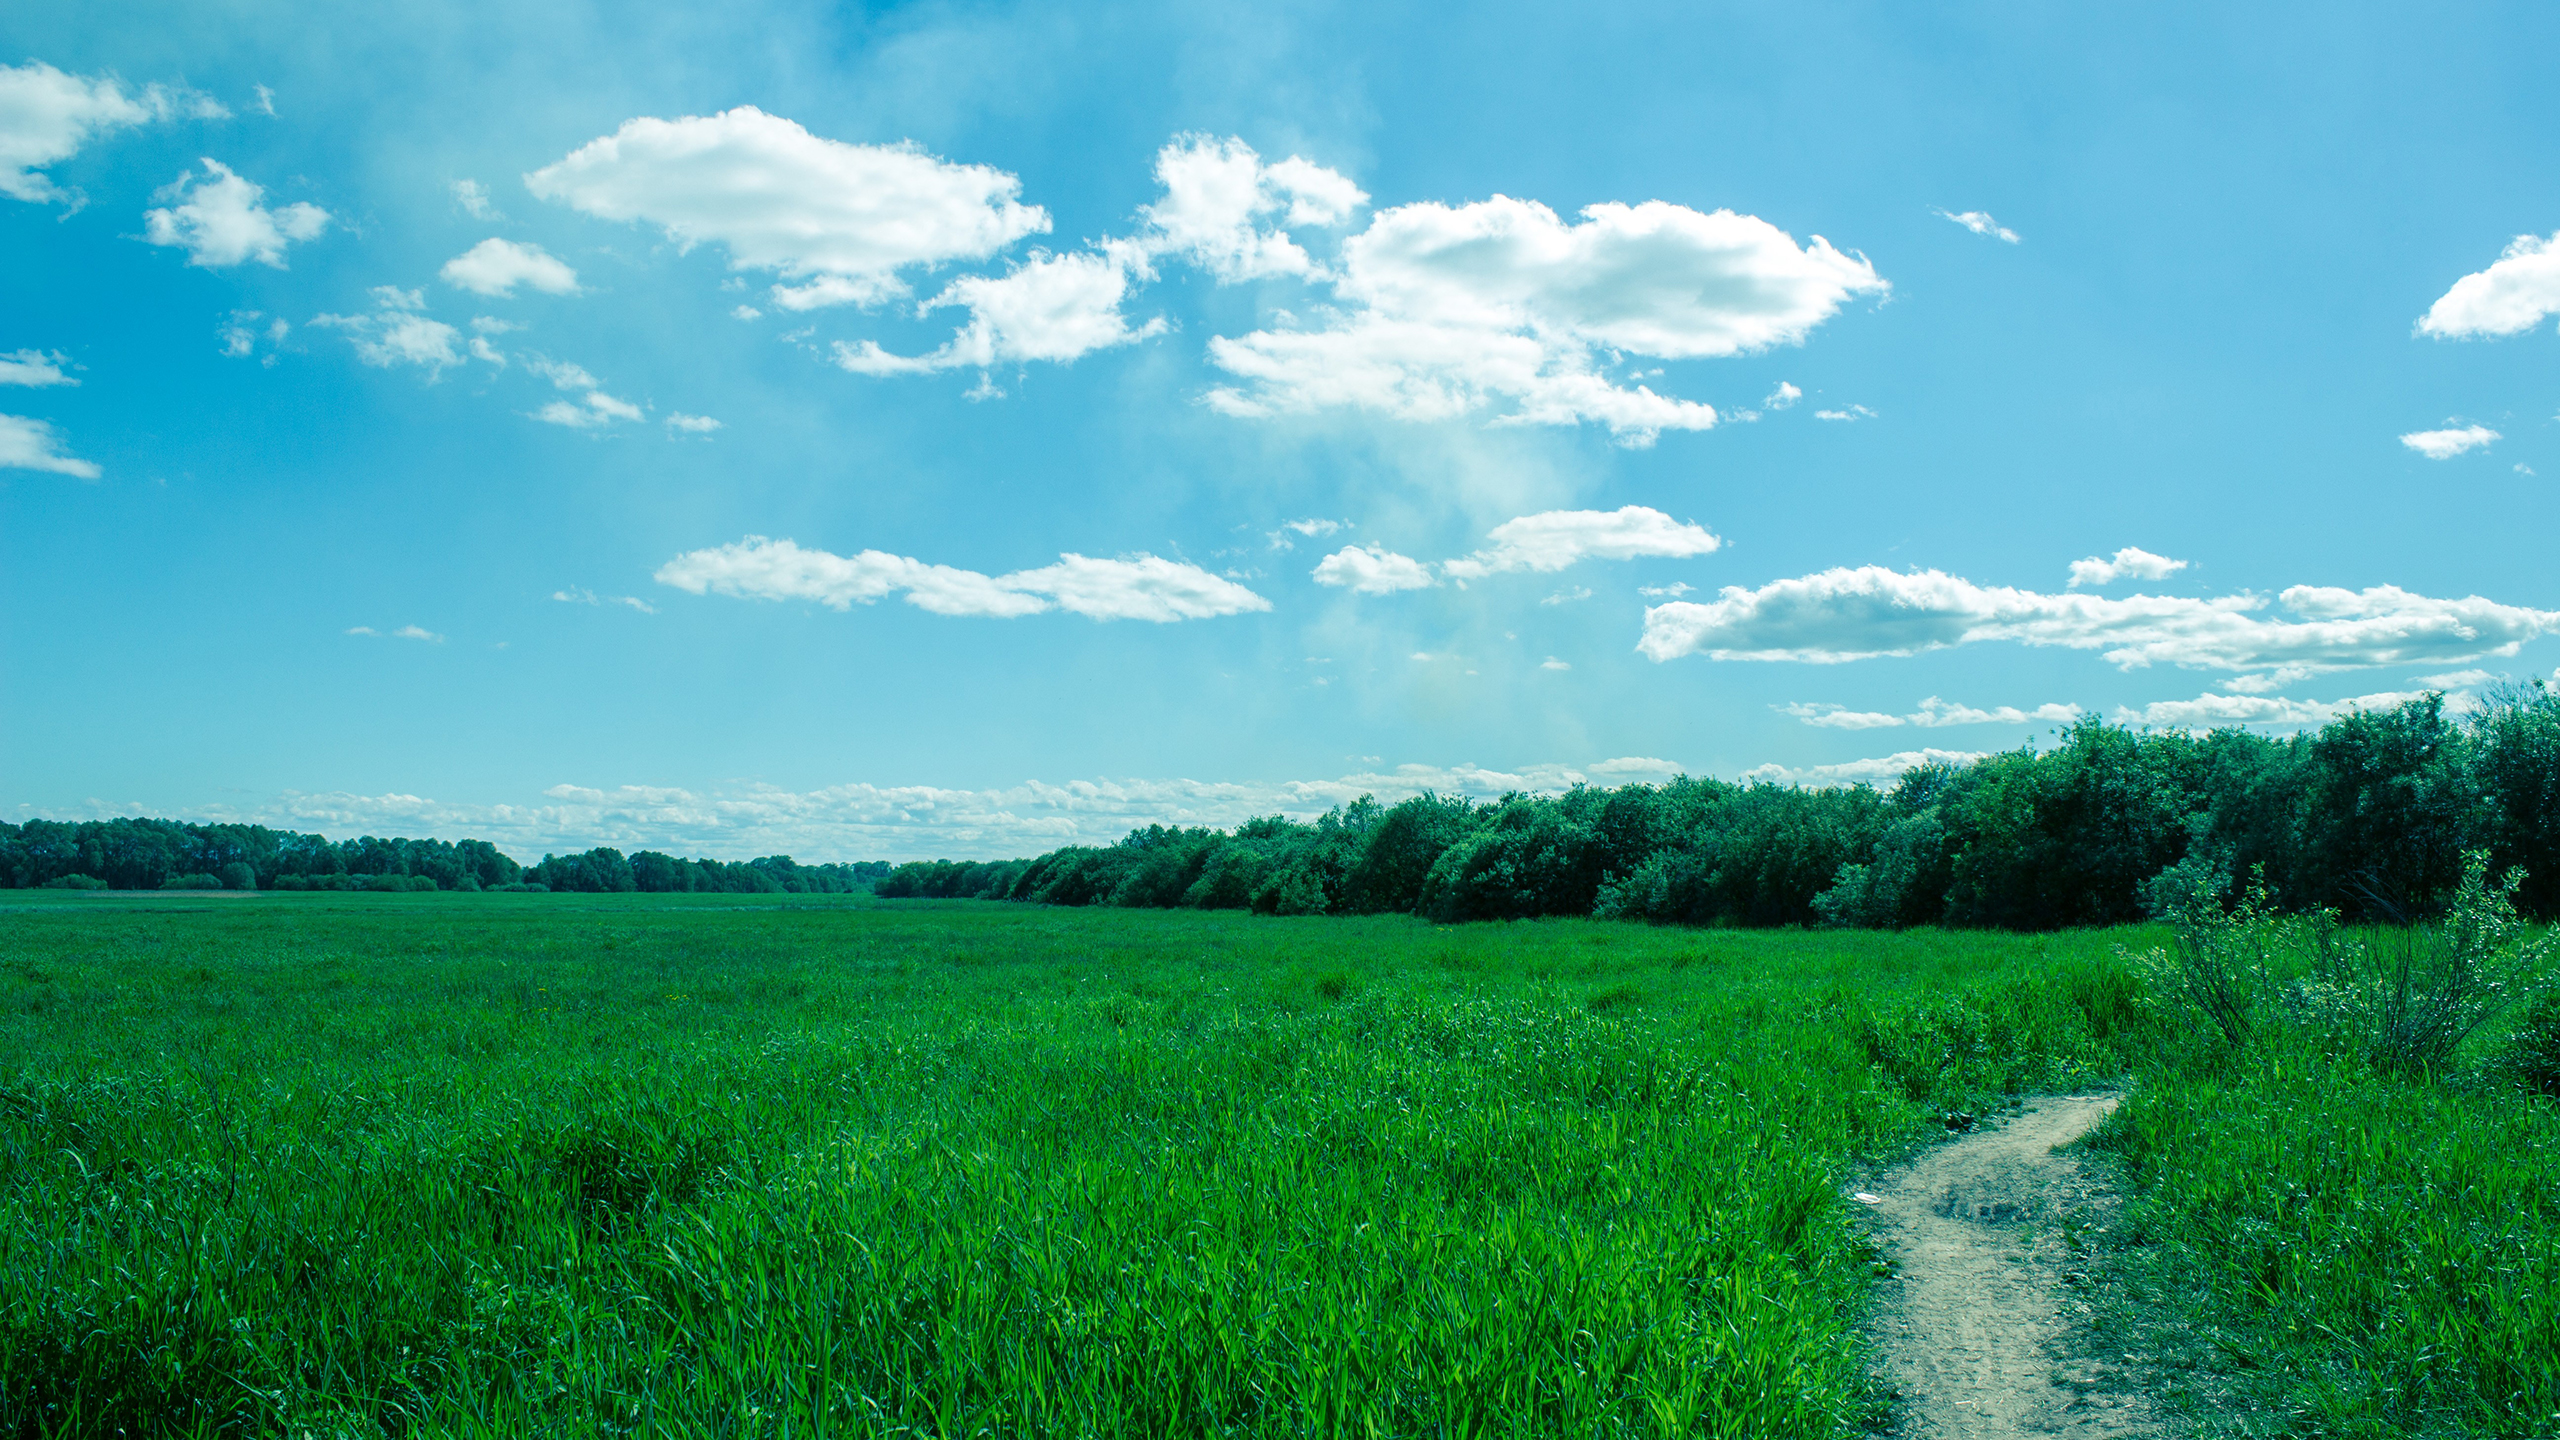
<point>2224,959</point>
<point>2533,1055</point>
<point>190,882</point>
<point>2408,997</point>
<point>75,882</point>
<point>238,876</point>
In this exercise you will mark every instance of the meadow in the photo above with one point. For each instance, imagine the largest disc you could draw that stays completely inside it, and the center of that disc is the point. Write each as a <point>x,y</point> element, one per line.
<point>457,1164</point>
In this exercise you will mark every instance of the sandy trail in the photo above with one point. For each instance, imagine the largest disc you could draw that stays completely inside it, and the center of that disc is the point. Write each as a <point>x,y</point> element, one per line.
<point>1972,1323</point>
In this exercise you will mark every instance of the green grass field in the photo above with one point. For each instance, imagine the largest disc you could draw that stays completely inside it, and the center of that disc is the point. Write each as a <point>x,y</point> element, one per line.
<point>511,1164</point>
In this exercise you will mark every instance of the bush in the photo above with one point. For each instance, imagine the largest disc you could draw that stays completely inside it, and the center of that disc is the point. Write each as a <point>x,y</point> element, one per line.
<point>190,882</point>
<point>238,876</point>
<point>2408,997</point>
<point>2224,960</point>
<point>75,882</point>
<point>2533,1056</point>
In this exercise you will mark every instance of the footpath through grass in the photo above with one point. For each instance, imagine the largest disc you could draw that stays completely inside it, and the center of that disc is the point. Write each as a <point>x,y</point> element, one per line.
<point>680,1165</point>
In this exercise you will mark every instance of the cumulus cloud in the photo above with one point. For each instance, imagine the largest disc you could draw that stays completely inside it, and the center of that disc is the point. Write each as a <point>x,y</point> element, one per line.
<point>27,444</point>
<point>47,115</point>
<point>594,409</point>
<point>2213,712</point>
<point>1555,539</point>
<point>1370,570</point>
<point>243,330</point>
<point>843,220</point>
<point>1672,591</point>
<point>497,267</point>
<point>219,219</point>
<point>680,423</point>
<point>1216,193</point>
<point>1933,713</point>
<point>1141,587</point>
<point>1051,307</point>
<point>473,197</point>
<point>35,369</point>
<point>1979,222</point>
<point>1884,771</point>
<point>398,333</point>
<point>1546,542</point>
<point>1845,614</point>
<point>2128,564</point>
<point>1448,310</point>
<point>2446,443</point>
<point>2511,296</point>
<point>1782,398</point>
<point>1552,663</point>
<point>1853,413</point>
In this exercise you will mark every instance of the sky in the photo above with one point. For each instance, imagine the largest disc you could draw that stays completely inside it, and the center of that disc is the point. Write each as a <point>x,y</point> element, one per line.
<point>966,429</point>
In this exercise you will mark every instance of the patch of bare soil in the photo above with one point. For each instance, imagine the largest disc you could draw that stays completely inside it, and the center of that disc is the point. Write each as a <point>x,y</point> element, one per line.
<point>1976,1330</point>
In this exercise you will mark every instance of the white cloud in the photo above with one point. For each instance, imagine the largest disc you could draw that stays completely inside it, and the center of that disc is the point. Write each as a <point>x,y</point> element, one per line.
<point>417,632</point>
<point>1051,307</point>
<point>1568,597</point>
<point>266,100</point>
<point>2511,296</point>
<point>1672,591</point>
<point>1311,529</point>
<point>1554,539</point>
<point>1784,397</point>
<point>219,220</point>
<point>2128,564</point>
<point>679,422</point>
<point>473,197</point>
<point>497,267</point>
<point>1214,193</point>
<point>1979,222</point>
<point>1454,309</point>
<point>1370,570</point>
<point>1845,614</point>
<point>865,821</point>
<point>1853,413</point>
<point>1141,587</point>
<point>27,444</point>
<point>397,334</point>
<point>583,596</point>
<point>241,334</point>
<point>46,116</point>
<point>598,410</point>
<point>2447,443</point>
<point>1932,714</point>
<point>1884,771</point>
<point>2210,711</point>
<point>842,219</point>
<point>1552,663</point>
<point>362,630</point>
<point>35,369</point>
<point>1545,542</point>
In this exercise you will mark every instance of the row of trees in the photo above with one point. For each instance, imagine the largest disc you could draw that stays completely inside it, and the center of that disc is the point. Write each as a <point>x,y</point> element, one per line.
<point>2372,815</point>
<point>140,854</point>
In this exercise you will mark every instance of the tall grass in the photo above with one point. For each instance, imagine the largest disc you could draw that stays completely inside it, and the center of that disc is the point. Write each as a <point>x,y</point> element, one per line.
<point>670,1165</point>
<point>2345,1214</point>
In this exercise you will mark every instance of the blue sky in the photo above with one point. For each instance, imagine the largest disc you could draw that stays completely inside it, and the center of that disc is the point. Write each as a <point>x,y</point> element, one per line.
<point>967,429</point>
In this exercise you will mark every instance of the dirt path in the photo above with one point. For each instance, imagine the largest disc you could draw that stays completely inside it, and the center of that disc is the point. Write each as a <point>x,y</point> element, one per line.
<point>1972,1323</point>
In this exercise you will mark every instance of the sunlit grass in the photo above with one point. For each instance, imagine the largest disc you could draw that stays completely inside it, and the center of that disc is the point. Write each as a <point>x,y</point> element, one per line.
<point>682,1165</point>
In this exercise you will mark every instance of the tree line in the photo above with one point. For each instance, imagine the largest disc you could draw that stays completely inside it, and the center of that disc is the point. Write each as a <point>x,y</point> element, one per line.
<point>2371,815</point>
<point>147,854</point>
